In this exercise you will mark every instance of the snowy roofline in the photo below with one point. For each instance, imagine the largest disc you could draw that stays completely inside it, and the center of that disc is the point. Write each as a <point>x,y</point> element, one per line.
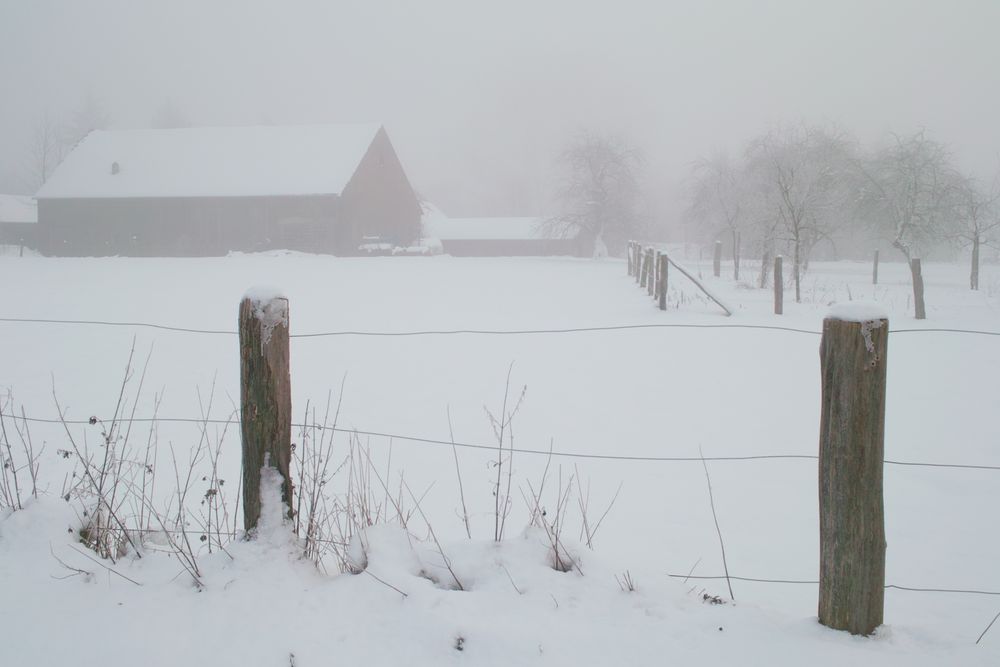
<point>490,229</point>
<point>212,162</point>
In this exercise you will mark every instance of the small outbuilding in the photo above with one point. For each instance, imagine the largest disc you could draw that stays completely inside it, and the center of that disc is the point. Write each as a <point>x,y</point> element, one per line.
<point>498,237</point>
<point>212,191</point>
<point>18,221</point>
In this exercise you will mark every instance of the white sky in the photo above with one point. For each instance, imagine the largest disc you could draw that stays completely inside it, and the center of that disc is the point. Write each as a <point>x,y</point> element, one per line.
<point>479,96</point>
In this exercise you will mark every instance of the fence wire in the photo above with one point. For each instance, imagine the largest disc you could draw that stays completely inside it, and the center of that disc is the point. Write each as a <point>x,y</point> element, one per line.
<point>489,447</point>
<point>480,332</point>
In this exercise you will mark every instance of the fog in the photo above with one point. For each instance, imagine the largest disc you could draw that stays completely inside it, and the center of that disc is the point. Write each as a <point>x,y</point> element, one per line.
<point>479,98</point>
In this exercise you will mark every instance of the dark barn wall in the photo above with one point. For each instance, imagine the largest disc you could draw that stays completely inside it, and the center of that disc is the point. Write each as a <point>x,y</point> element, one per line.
<point>19,234</point>
<point>510,247</point>
<point>379,200</point>
<point>189,226</point>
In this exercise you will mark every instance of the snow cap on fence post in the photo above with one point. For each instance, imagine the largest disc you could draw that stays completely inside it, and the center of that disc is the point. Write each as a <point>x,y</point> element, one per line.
<point>265,395</point>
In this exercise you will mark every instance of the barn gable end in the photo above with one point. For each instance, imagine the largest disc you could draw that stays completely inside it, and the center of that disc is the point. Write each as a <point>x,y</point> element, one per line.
<point>211,191</point>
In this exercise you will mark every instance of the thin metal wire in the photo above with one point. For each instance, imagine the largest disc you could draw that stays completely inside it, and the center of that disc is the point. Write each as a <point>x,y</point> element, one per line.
<point>481,332</point>
<point>966,591</point>
<point>470,445</point>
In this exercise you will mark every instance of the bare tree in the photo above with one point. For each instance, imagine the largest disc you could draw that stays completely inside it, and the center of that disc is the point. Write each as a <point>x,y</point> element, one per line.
<point>717,199</point>
<point>44,153</point>
<point>800,176</point>
<point>976,221</point>
<point>907,192</point>
<point>90,116</point>
<point>600,193</point>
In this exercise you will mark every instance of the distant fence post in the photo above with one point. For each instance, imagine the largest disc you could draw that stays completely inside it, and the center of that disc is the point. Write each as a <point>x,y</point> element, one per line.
<point>852,428</point>
<point>875,269</point>
<point>779,286</point>
<point>663,281</point>
<point>637,262</point>
<point>644,266</point>
<point>717,260</point>
<point>629,256</point>
<point>265,396</point>
<point>651,279</point>
<point>918,289</point>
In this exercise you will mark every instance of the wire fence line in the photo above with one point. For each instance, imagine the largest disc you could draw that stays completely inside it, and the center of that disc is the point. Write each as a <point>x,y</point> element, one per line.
<point>491,447</point>
<point>916,589</point>
<point>480,332</point>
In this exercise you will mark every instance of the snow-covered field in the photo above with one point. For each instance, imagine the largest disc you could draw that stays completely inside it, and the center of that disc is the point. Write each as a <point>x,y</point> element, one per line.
<point>653,392</point>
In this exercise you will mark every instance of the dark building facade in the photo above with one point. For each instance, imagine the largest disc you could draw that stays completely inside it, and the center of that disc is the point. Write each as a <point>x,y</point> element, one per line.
<point>98,205</point>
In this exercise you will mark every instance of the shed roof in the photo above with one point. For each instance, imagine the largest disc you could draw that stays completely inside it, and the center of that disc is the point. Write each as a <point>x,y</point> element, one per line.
<point>488,229</point>
<point>18,208</point>
<point>212,162</point>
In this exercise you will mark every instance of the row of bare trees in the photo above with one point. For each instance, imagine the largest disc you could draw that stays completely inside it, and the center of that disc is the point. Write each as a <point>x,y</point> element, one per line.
<point>796,187</point>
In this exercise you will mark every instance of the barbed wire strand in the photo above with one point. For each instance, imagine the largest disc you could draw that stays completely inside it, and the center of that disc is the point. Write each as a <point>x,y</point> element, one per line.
<point>482,332</point>
<point>480,446</point>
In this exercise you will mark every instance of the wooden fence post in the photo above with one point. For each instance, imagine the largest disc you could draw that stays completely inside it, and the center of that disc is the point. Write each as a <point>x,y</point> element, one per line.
<point>643,262</point>
<point>265,396</point>
<point>918,289</point>
<point>779,286</point>
<point>852,428</point>
<point>638,263</point>
<point>875,269</point>
<point>628,257</point>
<point>717,260</point>
<point>651,279</point>
<point>663,281</point>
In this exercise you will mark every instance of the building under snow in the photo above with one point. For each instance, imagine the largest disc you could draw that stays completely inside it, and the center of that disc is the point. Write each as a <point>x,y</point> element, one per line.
<point>496,237</point>
<point>210,191</point>
<point>18,221</point>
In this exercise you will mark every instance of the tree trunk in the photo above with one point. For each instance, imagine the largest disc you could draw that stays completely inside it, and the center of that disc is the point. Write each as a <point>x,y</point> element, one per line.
<point>918,289</point>
<point>796,269</point>
<point>779,286</point>
<point>265,398</point>
<point>852,520</point>
<point>875,269</point>
<point>717,260</point>
<point>974,275</point>
<point>736,255</point>
<point>765,266</point>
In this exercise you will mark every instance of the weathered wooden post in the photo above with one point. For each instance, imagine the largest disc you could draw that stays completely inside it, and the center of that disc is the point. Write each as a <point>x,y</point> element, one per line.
<point>638,263</point>
<point>643,259</point>
<point>628,257</point>
<point>779,286</point>
<point>717,259</point>
<point>265,396</point>
<point>875,269</point>
<point>663,281</point>
<point>851,516</point>
<point>918,289</point>
<point>651,279</point>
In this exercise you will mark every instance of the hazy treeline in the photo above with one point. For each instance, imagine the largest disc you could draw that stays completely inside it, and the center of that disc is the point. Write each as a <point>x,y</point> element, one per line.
<point>811,191</point>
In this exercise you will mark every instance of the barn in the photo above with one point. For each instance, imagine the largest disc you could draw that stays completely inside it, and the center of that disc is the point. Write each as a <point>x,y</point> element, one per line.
<point>18,218</point>
<point>497,237</point>
<point>212,191</point>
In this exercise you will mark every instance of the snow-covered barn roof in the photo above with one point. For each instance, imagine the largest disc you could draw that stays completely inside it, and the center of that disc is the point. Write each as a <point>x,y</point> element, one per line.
<point>487,229</point>
<point>17,208</point>
<point>212,162</point>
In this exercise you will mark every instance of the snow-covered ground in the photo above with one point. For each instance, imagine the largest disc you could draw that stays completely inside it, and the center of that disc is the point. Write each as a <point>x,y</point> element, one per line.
<point>651,392</point>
